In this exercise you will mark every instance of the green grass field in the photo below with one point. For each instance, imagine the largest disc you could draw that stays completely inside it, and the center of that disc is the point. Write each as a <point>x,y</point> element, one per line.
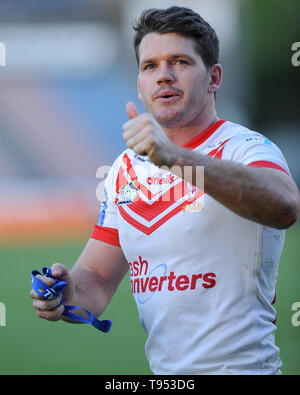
<point>30,345</point>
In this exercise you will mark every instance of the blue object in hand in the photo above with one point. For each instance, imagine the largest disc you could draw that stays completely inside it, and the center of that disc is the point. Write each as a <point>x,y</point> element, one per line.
<point>47,293</point>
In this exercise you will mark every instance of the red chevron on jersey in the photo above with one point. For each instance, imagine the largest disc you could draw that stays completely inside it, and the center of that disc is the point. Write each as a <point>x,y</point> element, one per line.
<point>149,211</point>
<point>147,215</point>
<point>150,229</point>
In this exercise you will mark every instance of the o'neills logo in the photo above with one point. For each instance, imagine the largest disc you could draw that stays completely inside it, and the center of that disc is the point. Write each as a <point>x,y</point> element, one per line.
<point>144,282</point>
<point>160,181</point>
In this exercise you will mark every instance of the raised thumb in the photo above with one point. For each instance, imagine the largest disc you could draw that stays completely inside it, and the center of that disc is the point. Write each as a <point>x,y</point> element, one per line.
<point>59,270</point>
<point>131,109</point>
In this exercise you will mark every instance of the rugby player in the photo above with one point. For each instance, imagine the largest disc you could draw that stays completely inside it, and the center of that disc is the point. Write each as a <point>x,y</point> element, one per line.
<point>203,261</point>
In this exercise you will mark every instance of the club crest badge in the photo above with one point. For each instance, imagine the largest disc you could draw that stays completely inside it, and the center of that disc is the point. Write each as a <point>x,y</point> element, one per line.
<point>127,193</point>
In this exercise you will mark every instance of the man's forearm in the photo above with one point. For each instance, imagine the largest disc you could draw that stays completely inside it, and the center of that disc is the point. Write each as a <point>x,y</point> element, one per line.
<point>261,195</point>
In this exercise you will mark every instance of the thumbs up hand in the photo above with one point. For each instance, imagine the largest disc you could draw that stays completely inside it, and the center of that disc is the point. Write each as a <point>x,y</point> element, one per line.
<point>144,135</point>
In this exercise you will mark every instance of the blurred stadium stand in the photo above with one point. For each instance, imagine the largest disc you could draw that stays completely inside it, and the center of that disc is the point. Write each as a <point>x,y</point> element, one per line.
<point>70,71</point>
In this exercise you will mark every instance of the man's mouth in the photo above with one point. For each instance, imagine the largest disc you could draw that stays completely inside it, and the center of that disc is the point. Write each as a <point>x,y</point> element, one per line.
<point>167,96</point>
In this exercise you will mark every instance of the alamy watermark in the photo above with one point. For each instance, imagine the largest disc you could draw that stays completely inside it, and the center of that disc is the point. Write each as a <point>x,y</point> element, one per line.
<point>175,183</point>
<point>296,316</point>
<point>2,314</point>
<point>2,54</point>
<point>296,56</point>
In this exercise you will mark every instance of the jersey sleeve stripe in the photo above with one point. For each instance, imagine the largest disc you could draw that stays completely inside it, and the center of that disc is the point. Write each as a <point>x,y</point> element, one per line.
<point>107,235</point>
<point>264,163</point>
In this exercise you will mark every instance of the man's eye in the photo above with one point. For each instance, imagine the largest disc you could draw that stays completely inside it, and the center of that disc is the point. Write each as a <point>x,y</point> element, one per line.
<point>181,61</point>
<point>149,66</point>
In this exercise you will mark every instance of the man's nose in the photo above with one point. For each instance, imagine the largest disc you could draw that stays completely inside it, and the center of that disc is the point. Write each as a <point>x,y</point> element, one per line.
<point>165,75</point>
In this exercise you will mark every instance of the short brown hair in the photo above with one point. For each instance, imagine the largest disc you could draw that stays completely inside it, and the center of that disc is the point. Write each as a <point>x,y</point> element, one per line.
<point>183,21</point>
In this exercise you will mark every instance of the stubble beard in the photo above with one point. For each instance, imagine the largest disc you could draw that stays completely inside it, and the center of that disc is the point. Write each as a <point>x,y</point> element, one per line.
<point>171,118</point>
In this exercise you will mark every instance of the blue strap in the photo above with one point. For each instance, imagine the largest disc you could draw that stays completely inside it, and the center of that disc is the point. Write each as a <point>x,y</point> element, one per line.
<point>48,293</point>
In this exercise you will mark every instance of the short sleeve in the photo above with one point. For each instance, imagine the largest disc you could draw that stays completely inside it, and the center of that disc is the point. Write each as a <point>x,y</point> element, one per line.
<point>106,229</point>
<point>257,151</point>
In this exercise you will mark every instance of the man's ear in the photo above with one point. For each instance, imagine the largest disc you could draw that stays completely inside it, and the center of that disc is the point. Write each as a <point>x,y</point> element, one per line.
<point>216,75</point>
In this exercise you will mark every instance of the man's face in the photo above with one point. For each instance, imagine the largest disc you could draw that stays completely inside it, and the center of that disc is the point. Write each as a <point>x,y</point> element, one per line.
<point>173,80</point>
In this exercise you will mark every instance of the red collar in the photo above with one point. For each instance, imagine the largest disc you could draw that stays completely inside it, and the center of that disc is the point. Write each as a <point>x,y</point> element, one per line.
<point>203,136</point>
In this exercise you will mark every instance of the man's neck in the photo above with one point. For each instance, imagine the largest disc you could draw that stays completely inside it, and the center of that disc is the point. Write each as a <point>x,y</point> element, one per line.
<point>180,136</point>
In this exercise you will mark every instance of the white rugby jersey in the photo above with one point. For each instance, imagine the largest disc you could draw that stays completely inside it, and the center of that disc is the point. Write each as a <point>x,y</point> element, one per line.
<point>203,278</point>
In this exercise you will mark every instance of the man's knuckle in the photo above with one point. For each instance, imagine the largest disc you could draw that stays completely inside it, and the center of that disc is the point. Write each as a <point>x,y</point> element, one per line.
<point>150,139</point>
<point>40,313</point>
<point>130,143</point>
<point>147,119</point>
<point>37,305</point>
<point>34,303</point>
<point>148,129</point>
